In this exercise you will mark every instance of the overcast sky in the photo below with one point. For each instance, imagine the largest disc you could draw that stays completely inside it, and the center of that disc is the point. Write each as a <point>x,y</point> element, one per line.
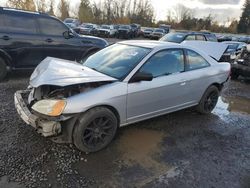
<point>221,10</point>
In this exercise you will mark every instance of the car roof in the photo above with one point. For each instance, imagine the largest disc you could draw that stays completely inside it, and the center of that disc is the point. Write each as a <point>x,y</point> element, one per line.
<point>149,44</point>
<point>16,11</point>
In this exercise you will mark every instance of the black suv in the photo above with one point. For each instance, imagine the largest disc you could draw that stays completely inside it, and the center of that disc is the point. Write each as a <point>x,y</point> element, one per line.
<point>125,31</point>
<point>26,38</point>
<point>179,37</point>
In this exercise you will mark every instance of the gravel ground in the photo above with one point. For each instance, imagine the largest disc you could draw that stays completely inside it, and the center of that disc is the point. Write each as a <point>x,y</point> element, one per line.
<point>182,149</point>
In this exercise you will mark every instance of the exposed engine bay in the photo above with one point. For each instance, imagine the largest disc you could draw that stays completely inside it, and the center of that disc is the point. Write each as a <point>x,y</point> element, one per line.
<point>58,92</point>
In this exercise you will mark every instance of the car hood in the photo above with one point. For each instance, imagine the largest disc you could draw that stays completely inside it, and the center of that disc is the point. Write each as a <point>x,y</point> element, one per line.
<point>104,30</point>
<point>85,29</point>
<point>59,72</point>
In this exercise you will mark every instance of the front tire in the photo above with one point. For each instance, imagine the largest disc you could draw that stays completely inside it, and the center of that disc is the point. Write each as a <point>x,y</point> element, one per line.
<point>208,100</point>
<point>3,69</point>
<point>95,129</point>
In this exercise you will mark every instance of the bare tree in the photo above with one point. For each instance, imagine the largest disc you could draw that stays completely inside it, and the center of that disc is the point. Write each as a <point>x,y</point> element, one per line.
<point>63,8</point>
<point>51,9</point>
<point>41,5</point>
<point>181,12</point>
<point>22,4</point>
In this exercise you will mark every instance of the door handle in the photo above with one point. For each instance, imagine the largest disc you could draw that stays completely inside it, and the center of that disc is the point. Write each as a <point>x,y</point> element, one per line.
<point>49,40</point>
<point>5,37</point>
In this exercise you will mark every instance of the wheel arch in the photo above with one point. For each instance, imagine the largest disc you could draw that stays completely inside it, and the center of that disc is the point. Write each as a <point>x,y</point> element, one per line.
<point>216,84</point>
<point>6,57</point>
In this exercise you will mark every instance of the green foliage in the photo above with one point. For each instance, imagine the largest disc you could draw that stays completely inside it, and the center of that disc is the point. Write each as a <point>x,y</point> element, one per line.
<point>85,13</point>
<point>244,23</point>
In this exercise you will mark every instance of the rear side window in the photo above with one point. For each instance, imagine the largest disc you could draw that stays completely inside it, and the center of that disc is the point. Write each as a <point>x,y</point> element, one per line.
<point>195,61</point>
<point>200,37</point>
<point>19,23</point>
<point>51,27</point>
<point>190,37</point>
<point>211,38</point>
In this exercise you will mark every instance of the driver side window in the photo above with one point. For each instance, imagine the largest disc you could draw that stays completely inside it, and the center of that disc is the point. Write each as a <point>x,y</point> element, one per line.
<point>164,63</point>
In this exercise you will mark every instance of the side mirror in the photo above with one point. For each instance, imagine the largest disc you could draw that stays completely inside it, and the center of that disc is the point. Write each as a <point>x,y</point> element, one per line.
<point>68,34</point>
<point>141,76</point>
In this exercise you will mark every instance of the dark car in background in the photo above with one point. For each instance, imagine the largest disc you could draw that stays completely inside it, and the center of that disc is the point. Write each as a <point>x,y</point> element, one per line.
<point>157,34</point>
<point>26,38</point>
<point>245,39</point>
<point>165,27</point>
<point>87,29</point>
<point>125,31</point>
<point>136,28</point>
<point>179,37</point>
<point>234,51</point>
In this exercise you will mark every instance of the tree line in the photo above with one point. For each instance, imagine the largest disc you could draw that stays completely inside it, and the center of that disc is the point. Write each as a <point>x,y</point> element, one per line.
<point>134,11</point>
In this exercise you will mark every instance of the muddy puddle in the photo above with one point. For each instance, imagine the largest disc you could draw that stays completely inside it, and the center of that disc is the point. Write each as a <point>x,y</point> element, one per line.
<point>4,182</point>
<point>133,157</point>
<point>227,105</point>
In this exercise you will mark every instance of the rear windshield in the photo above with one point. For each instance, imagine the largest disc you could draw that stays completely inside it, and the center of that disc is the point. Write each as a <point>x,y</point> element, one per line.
<point>173,37</point>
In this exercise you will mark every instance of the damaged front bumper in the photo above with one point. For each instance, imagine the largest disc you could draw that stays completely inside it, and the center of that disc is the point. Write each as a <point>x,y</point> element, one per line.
<point>45,127</point>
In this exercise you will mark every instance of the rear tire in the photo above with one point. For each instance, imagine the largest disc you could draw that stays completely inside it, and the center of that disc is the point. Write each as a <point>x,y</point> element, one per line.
<point>208,100</point>
<point>3,69</point>
<point>95,129</point>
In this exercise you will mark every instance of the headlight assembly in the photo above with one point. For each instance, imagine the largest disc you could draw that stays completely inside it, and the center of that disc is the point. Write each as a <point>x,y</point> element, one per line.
<point>50,107</point>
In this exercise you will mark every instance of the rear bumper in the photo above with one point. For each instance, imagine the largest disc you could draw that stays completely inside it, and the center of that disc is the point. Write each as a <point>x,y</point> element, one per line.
<point>44,127</point>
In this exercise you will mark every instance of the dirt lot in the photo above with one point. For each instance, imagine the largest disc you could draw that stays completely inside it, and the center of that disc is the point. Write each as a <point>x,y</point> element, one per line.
<point>182,149</point>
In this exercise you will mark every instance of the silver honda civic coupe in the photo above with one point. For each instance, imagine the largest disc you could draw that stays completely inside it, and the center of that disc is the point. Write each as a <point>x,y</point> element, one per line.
<point>124,83</point>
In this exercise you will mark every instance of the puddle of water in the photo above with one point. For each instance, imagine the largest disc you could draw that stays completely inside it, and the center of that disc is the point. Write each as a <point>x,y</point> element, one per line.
<point>138,146</point>
<point>133,157</point>
<point>226,105</point>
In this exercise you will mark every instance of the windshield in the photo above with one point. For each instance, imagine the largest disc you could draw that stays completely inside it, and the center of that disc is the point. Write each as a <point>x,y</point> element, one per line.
<point>124,27</point>
<point>173,37</point>
<point>105,27</point>
<point>233,46</point>
<point>117,60</point>
<point>149,30</point>
<point>88,26</point>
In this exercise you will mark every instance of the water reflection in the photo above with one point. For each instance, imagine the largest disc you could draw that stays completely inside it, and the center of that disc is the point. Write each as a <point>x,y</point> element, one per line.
<point>227,105</point>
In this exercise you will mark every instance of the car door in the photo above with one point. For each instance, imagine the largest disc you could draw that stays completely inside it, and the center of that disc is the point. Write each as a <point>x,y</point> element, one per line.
<point>21,39</point>
<point>166,92</point>
<point>198,74</point>
<point>55,44</point>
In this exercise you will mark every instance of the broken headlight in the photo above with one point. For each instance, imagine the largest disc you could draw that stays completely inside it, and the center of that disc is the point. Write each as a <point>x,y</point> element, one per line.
<point>50,107</point>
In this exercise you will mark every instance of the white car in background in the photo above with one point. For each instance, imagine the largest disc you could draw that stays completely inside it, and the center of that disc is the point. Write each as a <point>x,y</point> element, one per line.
<point>107,31</point>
